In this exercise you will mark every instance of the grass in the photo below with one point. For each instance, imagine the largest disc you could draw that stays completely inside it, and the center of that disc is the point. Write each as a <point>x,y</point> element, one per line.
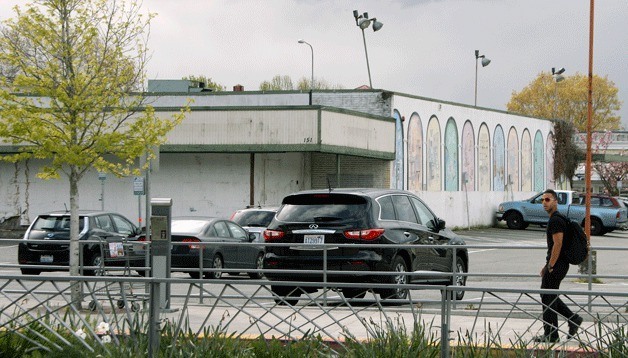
<point>42,338</point>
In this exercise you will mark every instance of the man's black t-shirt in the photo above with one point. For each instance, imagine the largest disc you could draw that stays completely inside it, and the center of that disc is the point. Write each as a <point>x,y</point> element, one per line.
<point>556,224</point>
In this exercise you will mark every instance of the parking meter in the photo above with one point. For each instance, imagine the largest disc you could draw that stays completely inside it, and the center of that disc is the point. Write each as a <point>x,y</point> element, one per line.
<point>161,215</point>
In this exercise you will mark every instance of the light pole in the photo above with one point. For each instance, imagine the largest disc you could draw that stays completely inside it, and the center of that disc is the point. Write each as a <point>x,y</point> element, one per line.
<point>558,76</point>
<point>485,62</point>
<point>363,22</point>
<point>312,82</point>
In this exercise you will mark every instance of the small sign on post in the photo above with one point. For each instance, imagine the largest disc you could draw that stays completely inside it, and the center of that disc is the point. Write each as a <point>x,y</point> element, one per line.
<point>138,185</point>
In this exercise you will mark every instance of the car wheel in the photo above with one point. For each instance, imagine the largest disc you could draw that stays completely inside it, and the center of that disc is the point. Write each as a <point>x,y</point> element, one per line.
<point>283,292</point>
<point>596,227</point>
<point>399,266</point>
<point>515,221</point>
<point>26,271</point>
<point>461,268</point>
<point>217,264</point>
<point>259,264</point>
<point>354,293</point>
<point>194,274</point>
<point>97,261</point>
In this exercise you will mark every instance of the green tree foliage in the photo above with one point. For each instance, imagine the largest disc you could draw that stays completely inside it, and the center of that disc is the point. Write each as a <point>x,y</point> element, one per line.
<point>546,98</point>
<point>304,84</point>
<point>215,87</point>
<point>76,62</point>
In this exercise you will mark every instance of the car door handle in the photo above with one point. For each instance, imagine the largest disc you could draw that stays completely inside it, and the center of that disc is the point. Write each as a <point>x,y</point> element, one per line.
<point>430,239</point>
<point>407,234</point>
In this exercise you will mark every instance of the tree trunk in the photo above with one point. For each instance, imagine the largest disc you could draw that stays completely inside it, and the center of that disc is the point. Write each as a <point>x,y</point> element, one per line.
<point>76,290</point>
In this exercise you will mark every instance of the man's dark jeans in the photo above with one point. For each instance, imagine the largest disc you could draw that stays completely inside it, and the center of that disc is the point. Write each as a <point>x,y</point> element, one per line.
<point>552,304</point>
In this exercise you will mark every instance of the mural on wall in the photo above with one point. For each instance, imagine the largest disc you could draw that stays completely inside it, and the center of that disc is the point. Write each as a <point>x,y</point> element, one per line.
<point>549,162</point>
<point>484,159</point>
<point>498,159</point>
<point>513,160</point>
<point>526,161</point>
<point>398,167</point>
<point>539,162</point>
<point>468,157</point>
<point>415,153</point>
<point>451,156</point>
<point>433,155</point>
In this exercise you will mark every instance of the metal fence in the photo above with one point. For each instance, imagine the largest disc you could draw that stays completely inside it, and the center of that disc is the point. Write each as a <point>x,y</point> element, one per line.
<point>244,308</point>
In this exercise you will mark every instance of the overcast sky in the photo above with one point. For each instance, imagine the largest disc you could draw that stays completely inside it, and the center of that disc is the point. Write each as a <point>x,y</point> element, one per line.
<point>425,48</point>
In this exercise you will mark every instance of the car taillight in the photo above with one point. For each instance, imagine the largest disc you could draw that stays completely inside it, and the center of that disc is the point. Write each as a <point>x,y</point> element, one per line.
<point>618,215</point>
<point>142,238</point>
<point>192,239</point>
<point>366,234</point>
<point>270,235</point>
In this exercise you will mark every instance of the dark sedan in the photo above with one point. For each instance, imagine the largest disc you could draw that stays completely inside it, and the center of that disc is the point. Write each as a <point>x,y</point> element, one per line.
<point>362,217</point>
<point>212,237</point>
<point>47,240</point>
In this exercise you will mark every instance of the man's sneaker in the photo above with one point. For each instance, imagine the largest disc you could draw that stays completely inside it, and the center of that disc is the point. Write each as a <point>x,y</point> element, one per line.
<point>574,324</point>
<point>547,338</point>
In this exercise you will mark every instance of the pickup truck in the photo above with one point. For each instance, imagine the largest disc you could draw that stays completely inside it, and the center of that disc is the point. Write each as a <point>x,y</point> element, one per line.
<point>519,214</point>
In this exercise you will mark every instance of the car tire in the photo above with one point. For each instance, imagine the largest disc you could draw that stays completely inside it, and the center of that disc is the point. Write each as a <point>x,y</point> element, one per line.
<point>95,259</point>
<point>597,228</point>
<point>283,292</point>
<point>218,264</point>
<point>26,271</point>
<point>398,265</point>
<point>259,264</point>
<point>194,274</point>
<point>514,221</point>
<point>461,268</point>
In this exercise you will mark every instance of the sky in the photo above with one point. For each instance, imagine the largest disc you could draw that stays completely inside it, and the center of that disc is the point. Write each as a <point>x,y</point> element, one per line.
<point>425,48</point>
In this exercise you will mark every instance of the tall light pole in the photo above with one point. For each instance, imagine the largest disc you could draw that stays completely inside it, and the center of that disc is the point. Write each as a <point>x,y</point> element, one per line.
<point>301,41</point>
<point>558,76</point>
<point>363,22</point>
<point>485,62</point>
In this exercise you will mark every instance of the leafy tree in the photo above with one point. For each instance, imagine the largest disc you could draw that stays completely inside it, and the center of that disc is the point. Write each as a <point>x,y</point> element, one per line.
<point>567,100</point>
<point>567,155</point>
<point>278,83</point>
<point>78,61</point>
<point>284,83</point>
<point>216,87</point>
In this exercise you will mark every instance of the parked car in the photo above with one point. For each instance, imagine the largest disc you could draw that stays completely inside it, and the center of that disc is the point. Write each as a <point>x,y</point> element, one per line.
<point>255,219</point>
<point>193,230</point>
<point>112,230</point>
<point>361,217</point>
<point>519,214</point>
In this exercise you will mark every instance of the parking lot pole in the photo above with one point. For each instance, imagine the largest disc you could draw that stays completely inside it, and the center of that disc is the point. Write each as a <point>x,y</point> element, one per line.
<point>445,311</point>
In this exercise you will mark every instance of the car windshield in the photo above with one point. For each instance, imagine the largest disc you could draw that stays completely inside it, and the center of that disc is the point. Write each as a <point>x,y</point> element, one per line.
<point>254,218</point>
<point>55,223</point>
<point>323,208</point>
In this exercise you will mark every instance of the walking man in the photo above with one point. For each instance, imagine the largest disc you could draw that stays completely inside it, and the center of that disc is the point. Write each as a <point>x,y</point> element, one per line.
<point>555,269</point>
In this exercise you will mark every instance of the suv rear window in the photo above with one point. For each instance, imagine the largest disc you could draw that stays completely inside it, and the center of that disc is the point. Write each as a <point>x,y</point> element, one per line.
<point>55,223</point>
<point>254,218</point>
<point>323,208</point>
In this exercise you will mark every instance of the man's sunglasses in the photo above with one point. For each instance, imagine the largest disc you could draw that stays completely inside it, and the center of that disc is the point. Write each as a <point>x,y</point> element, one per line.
<point>547,200</point>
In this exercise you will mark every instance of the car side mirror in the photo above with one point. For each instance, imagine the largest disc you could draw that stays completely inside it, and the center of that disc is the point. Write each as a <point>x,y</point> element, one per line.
<point>436,224</point>
<point>252,237</point>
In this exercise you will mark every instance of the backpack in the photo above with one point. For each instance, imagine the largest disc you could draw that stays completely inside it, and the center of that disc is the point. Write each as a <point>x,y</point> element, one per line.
<point>576,246</point>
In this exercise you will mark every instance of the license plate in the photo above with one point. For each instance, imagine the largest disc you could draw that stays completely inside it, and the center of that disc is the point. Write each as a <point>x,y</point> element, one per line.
<point>45,258</point>
<point>314,239</point>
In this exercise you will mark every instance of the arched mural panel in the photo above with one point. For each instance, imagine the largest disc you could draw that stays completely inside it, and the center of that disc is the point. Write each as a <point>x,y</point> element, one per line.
<point>499,150</point>
<point>539,162</point>
<point>433,155</point>
<point>398,174</point>
<point>484,159</point>
<point>549,162</point>
<point>451,156</point>
<point>468,157</point>
<point>513,160</point>
<point>526,161</point>
<point>415,153</point>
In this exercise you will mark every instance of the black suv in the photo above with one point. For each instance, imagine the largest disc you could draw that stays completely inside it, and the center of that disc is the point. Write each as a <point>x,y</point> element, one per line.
<point>362,217</point>
<point>52,232</point>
